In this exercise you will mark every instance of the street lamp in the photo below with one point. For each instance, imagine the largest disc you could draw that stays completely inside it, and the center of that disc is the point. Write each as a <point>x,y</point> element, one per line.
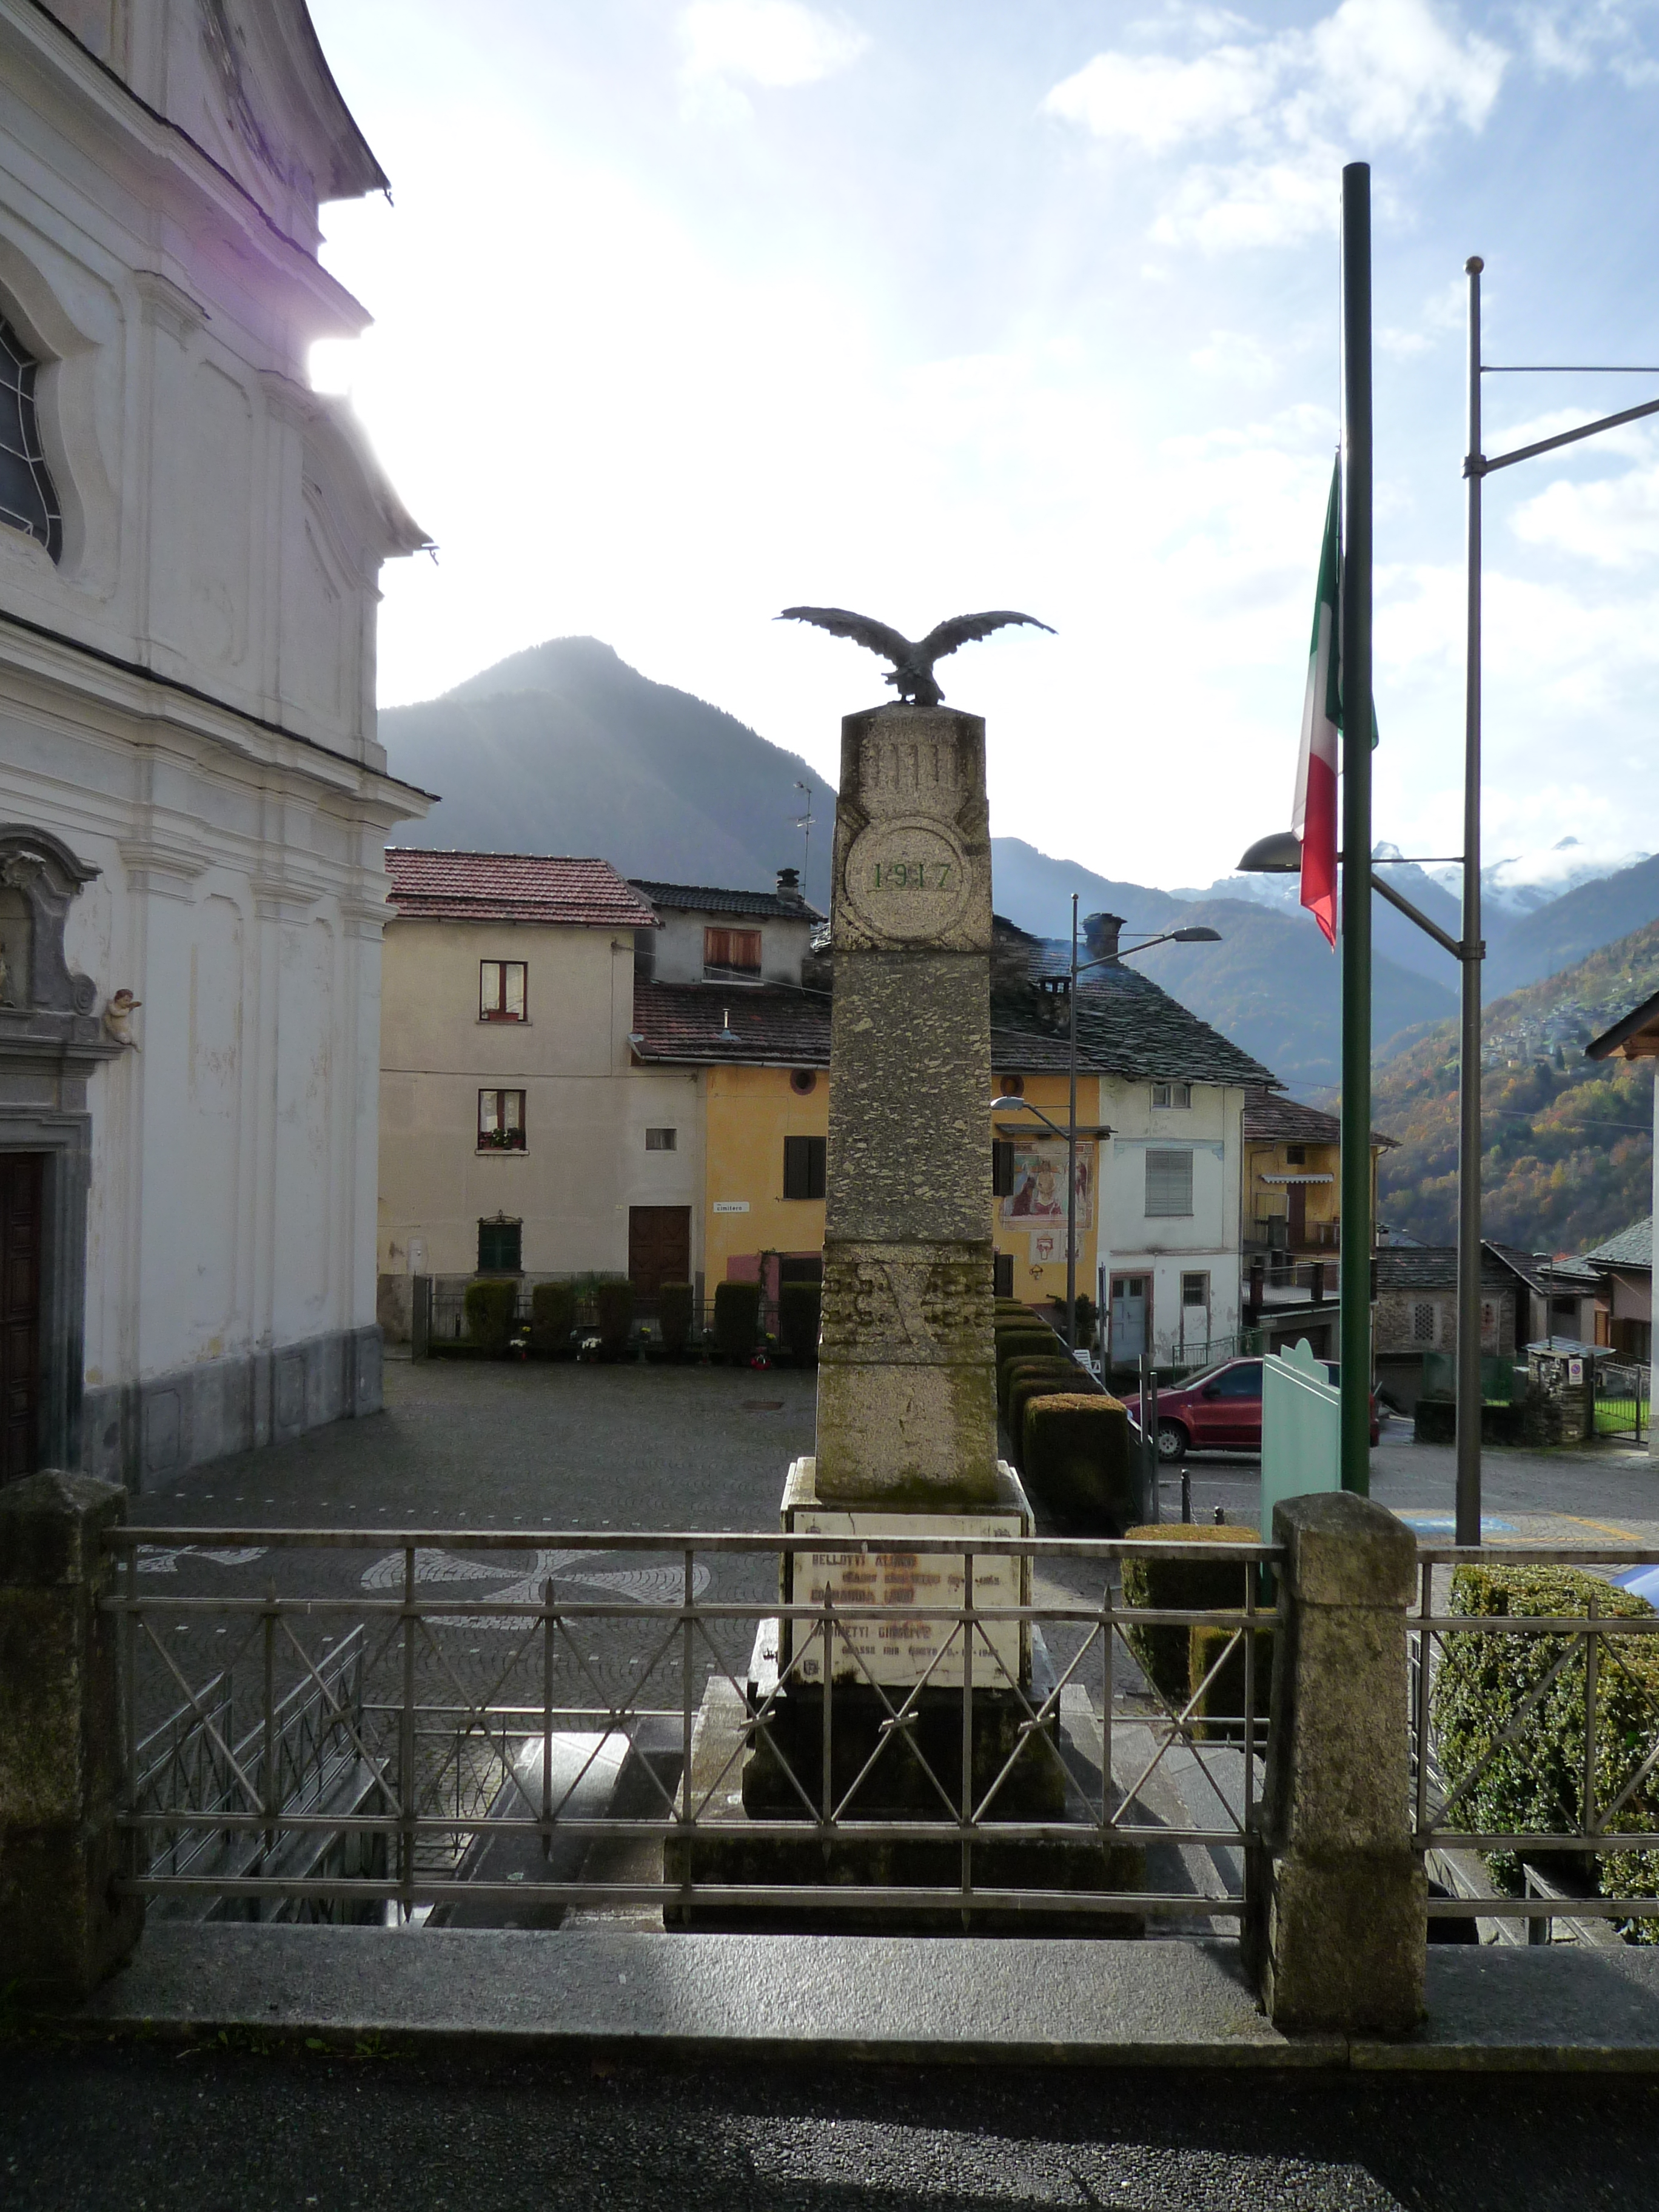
<point>1281,852</point>
<point>1197,934</point>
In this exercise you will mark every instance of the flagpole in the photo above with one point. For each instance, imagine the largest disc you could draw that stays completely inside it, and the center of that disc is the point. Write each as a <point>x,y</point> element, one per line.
<point>1355,1309</point>
<point>1468,1101</point>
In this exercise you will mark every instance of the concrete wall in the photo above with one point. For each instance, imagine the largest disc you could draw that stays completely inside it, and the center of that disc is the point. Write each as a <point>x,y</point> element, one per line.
<point>213,755</point>
<point>677,948</point>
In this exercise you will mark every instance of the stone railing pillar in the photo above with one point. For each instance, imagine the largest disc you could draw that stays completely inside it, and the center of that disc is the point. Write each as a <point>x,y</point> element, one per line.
<point>1340,1925</point>
<point>61,1931</point>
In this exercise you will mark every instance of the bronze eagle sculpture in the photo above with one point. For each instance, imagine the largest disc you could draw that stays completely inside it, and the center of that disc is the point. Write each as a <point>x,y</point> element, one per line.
<point>912,672</point>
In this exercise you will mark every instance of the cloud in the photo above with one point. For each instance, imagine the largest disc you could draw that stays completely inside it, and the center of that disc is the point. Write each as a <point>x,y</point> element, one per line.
<point>1574,40</point>
<point>1378,73</point>
<point>1612,520</point>
<point>775,44</point>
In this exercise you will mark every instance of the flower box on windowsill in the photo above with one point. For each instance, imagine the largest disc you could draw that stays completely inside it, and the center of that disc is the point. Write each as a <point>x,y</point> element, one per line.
<point>501,1140</point>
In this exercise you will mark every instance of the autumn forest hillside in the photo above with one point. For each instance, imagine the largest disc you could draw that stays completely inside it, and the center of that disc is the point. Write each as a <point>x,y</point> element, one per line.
<point>1568,1158</point>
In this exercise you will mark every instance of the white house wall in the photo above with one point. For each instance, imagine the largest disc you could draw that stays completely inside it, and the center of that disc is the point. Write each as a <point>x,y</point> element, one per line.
<point>1166,1247</point>
<point>186,700</point>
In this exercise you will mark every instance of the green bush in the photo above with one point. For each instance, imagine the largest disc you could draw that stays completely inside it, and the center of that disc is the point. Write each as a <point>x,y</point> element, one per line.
<point>1538,1782</point>
<point>1042,1378</point>
<point>737,1319</point>
<point>676,1303</point>
<point>1219,1711</point>
<point>1201,1584</point>
<point>1033,1344</point>
<point>613,1301</point>
<point>1075,1453</point>
<point>798,1306</point>
<point>1048,1373</point>
<point>552,1318</point>
<point>489,1306</point>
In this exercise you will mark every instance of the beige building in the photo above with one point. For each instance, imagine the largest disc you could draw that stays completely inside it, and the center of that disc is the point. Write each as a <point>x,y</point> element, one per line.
<point>580,1075</point>
<point>510,1140</point>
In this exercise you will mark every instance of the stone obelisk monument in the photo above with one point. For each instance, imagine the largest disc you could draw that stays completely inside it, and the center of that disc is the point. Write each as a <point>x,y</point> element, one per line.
<point>907,1384</point>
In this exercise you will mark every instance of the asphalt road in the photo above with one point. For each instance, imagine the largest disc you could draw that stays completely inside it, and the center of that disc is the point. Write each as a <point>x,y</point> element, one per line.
<point>152,2128</point>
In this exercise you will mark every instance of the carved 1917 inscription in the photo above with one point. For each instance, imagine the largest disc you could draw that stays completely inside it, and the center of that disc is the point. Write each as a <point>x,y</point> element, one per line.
<point>903,1305</point>
<point>907,880</point>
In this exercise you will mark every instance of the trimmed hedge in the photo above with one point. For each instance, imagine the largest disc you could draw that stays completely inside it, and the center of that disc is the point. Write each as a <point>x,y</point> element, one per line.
<point>1195,1585</point>
<point>1031,1378</point>
<point>737,1319</point>
<point>1045,1379</point>
<point>1074,1451</point>
<point>489,1306</point>
<point>1219,1712</point>
<point>799,1308</point>
<point>552,1319</point>
<point>1539,1782</point>
<point>676,1305</point>
<point>1032,1344</point>
<point>613,1300</point>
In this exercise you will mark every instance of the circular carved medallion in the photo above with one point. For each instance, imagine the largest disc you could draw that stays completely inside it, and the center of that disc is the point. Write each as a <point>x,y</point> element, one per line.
<point>907,879</point>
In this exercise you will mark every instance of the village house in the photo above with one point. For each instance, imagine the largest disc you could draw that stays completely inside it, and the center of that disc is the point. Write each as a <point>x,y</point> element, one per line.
<point>194,800</point>
<point>1161,1099</point>
<point>585,1076</point>
<point>1624,1320</point>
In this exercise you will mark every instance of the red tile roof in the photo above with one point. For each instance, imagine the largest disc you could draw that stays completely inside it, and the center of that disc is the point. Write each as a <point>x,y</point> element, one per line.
<point>1270,1120</point>
<point>774,1028</point>
<point>512,887</point>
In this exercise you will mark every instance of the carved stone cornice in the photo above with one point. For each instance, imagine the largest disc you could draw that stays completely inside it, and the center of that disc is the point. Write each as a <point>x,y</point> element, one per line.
<point>170,871</point>
<point>168,306</point>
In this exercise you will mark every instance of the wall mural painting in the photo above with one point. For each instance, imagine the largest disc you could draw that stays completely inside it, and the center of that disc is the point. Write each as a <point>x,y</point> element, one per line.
<point>1038,1202</point>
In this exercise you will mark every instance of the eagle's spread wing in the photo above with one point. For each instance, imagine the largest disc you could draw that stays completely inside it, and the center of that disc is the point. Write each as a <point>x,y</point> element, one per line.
<point>962,629</point>
<point>841,623</point>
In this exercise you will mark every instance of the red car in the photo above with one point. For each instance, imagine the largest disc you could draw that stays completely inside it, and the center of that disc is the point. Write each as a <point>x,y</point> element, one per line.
<point>1222,1411</point>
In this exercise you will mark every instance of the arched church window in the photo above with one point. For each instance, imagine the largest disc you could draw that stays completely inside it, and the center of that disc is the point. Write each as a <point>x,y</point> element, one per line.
<point>17,947</point>
<point>28,501</point>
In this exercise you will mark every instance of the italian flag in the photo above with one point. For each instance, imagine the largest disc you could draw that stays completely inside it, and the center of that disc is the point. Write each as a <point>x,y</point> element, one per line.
<point>1313,818</point>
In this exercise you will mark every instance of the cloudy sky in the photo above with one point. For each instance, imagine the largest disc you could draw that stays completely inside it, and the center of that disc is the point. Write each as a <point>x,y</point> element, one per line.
<point>685,312</point>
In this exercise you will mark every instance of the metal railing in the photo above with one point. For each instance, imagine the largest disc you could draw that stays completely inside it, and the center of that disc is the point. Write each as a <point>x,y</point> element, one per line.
<point>1552,1715</point>
<point>589,1701</point>
<point>1622,1396</point>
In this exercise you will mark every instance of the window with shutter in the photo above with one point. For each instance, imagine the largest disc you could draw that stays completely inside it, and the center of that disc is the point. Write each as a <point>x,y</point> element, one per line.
<point>1002,1168</point>
<point>803,1167</point>
<point>1168,1182</point>
<point>732,955</point>
<point>500,1246</point>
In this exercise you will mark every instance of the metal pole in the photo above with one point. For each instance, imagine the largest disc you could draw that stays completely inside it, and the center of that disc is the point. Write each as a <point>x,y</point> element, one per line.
<point>1071,1153</point>
<point>1355,1315</point>
<point>1472,951</point>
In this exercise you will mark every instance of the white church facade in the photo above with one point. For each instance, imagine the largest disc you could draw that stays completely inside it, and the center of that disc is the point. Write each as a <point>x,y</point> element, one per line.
<point>193,804</point>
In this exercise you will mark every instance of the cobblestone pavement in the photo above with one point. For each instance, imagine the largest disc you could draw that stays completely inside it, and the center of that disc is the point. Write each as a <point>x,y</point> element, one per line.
<point>162,2130</point>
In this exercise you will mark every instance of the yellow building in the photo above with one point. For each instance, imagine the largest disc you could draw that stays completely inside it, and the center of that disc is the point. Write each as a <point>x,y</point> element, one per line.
<point>1292,1177</point>
<point>722,995</point>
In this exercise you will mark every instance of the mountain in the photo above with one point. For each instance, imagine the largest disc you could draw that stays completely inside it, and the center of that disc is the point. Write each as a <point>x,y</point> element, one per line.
<point>1274,987</point>
<point>1557,936</point>
<point>1568,1158</point>
<point>565,749</point>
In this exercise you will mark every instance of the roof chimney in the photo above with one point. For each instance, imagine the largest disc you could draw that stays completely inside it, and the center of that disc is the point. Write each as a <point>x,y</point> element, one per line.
<point>1100,933</point>
<point>789,886</point>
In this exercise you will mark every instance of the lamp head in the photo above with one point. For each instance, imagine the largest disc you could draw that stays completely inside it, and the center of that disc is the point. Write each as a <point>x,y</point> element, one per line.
<point>1280,854</point>
<point>1197,935</point>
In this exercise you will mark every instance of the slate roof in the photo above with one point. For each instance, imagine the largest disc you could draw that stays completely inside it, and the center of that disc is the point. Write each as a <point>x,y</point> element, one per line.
<point>1434,1267</point>
<point>1568,1275</point>
<point>1269,1120</point>
<point>1125,1025</point>
<point>1631,1248</point>
<point>773,1027</point>
<point>432,886</point>
<point>698,898</point>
